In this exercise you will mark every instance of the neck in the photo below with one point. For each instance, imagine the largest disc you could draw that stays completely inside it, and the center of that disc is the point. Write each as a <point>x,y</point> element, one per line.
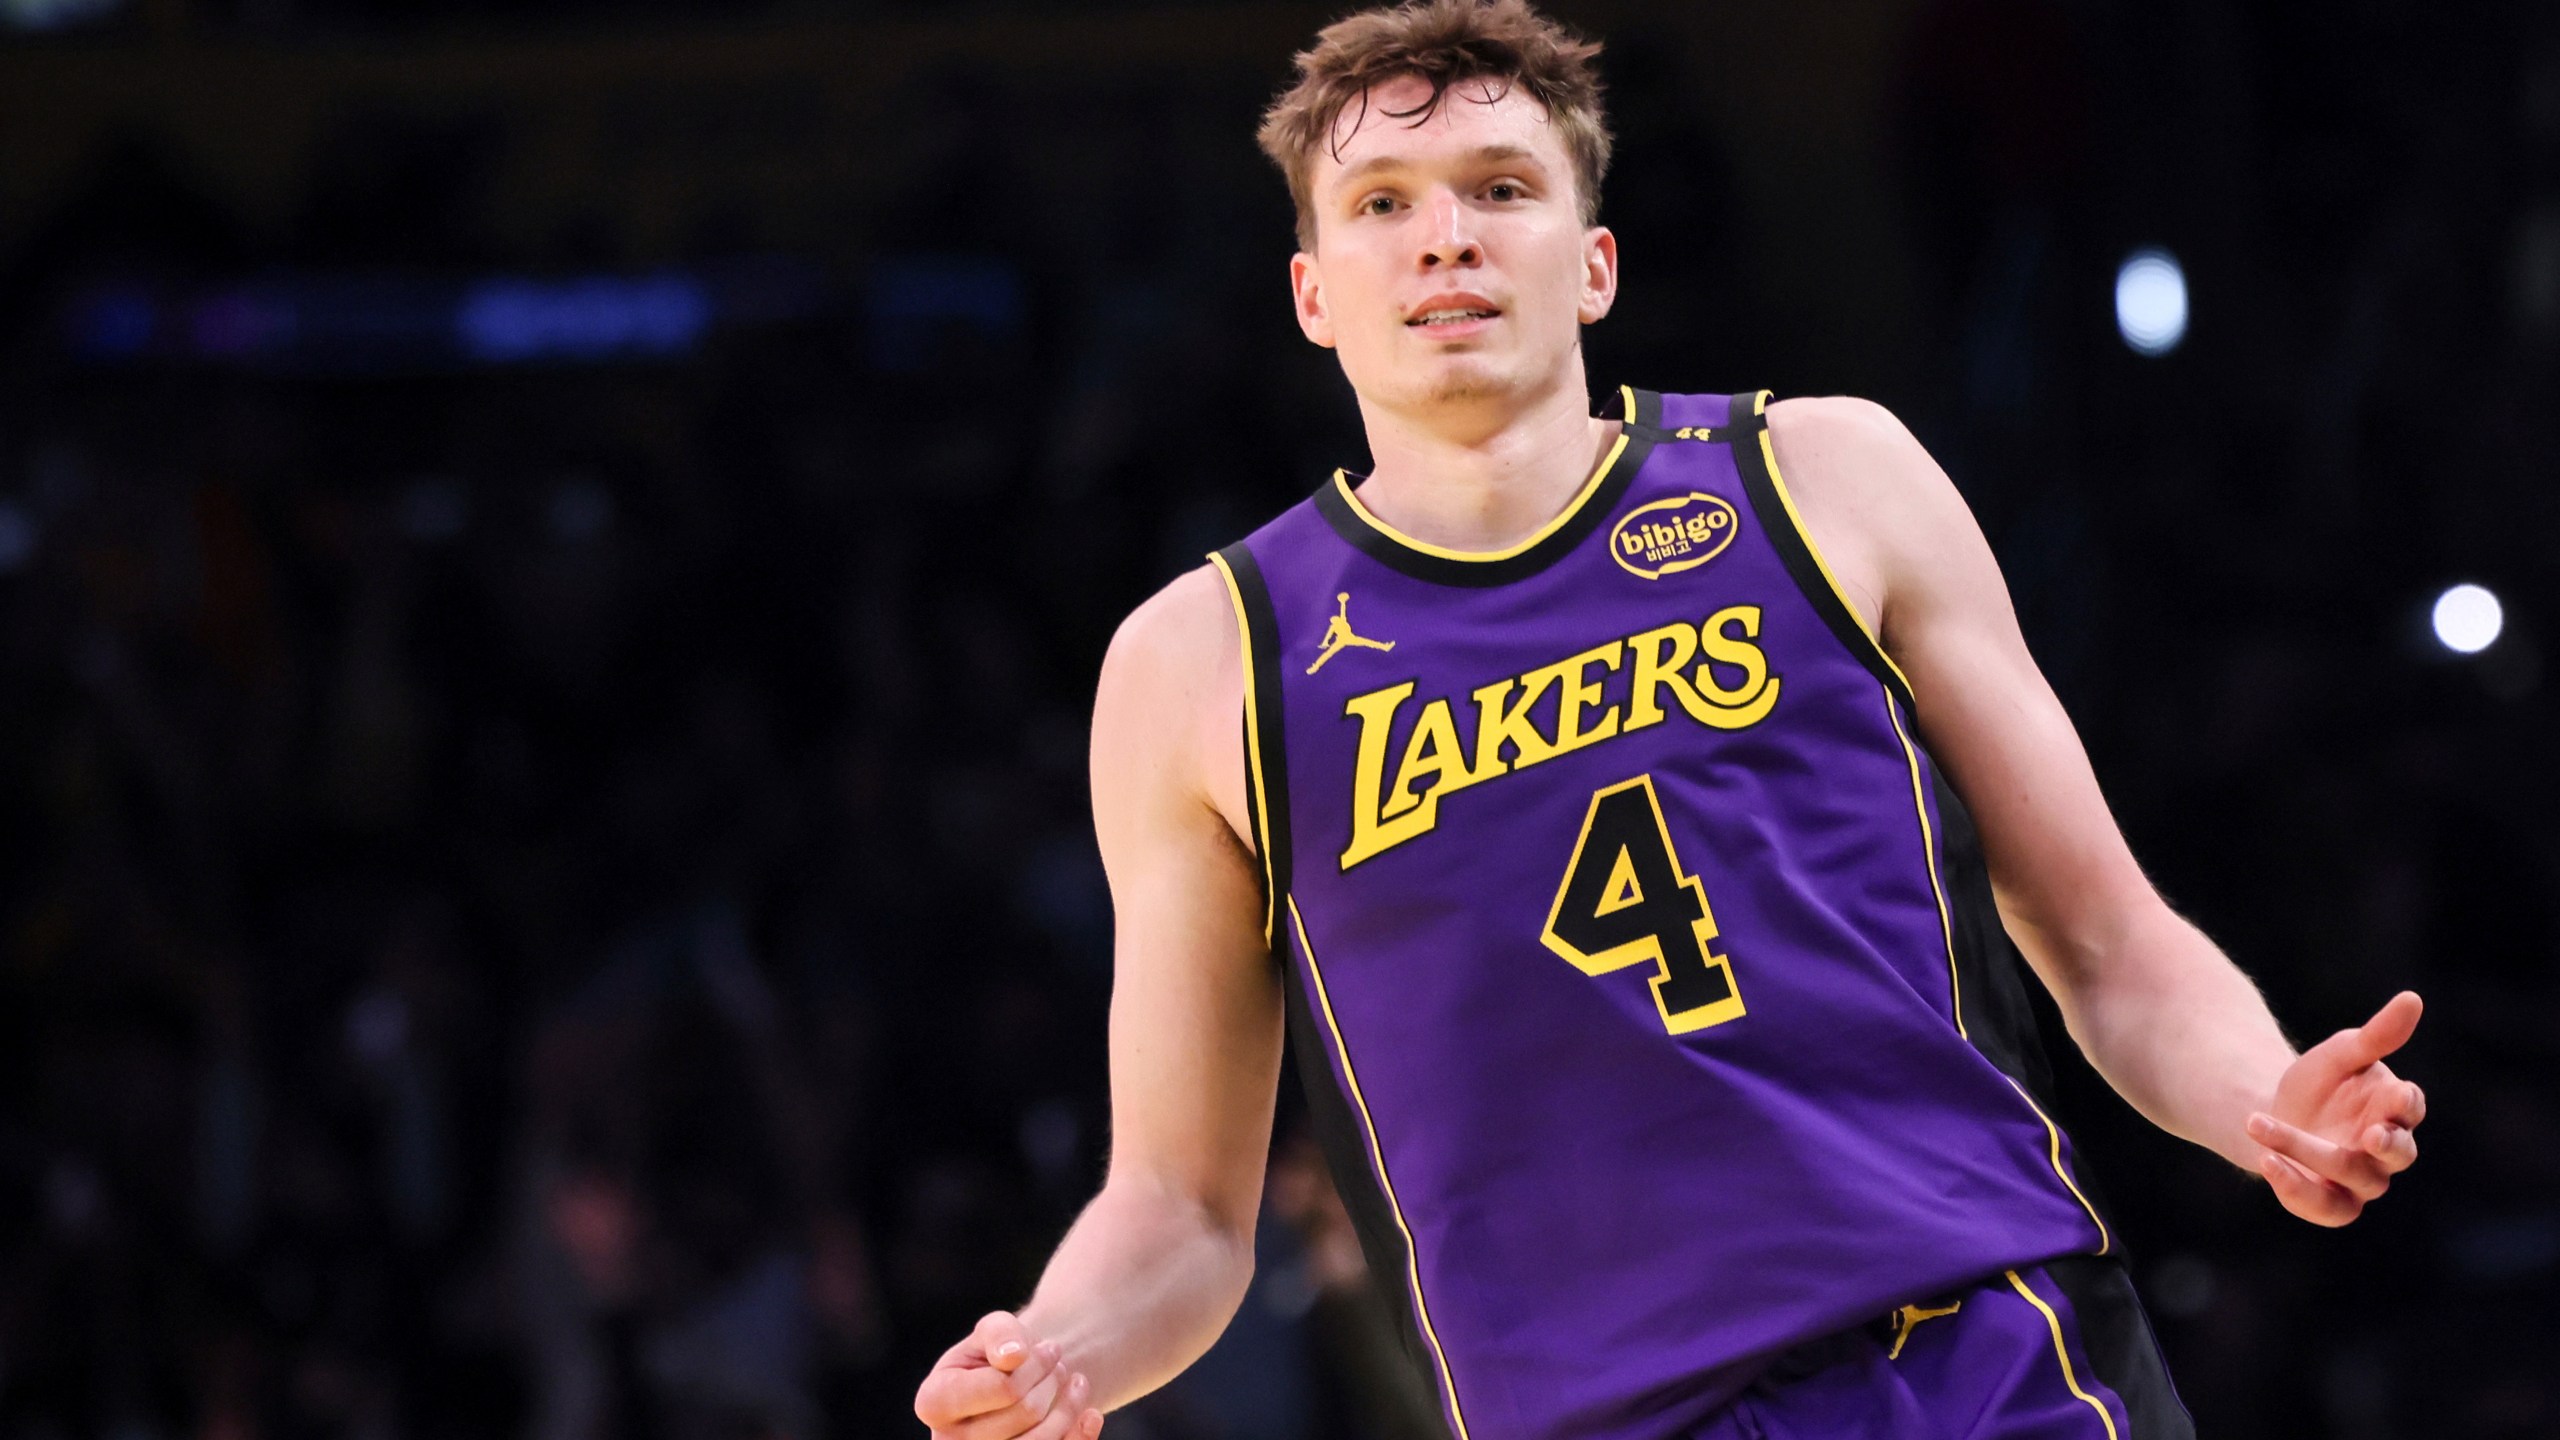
<point>1482,477</point>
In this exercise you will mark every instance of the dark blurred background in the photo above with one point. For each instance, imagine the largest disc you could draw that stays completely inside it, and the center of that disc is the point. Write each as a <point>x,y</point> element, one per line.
<point>554,554</point>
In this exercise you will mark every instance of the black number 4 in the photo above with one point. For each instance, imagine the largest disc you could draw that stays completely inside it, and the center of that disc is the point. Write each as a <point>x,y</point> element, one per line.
<point>1624,901</point>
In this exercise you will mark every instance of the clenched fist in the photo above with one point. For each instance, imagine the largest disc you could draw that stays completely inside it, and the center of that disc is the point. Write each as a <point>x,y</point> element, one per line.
<point>1001,1384</point>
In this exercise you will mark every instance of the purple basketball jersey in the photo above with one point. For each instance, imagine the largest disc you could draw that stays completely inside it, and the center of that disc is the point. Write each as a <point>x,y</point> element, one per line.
<point>1645,980</point>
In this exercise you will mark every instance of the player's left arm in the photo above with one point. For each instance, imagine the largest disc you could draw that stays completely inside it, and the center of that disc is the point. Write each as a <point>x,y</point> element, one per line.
<point>2170,1022</point>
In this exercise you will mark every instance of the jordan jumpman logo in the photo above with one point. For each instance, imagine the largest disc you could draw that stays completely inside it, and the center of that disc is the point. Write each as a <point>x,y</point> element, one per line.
<point>1338,636</point>
<point>1908,1318</point>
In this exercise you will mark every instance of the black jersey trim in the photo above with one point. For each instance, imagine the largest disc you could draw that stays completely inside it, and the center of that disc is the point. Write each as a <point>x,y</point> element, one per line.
<point>1993,1007</point>
<point>1396,1245</point>
<point>2123,1354</point>
<point>1346,1153</point>
<point>1757,459</point>
<point>1994,1010</point>
<point>1640,412</point>
<point>1266,788</point>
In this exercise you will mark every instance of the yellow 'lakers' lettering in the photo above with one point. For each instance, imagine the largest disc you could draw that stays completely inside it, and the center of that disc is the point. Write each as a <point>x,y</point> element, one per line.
<point>1662,663</point>
<point>1576,696</point>
<point>1660,657</point>
<point>1516,728</point>
<point>1376,713</point>
<point>1443,760</point>
<point>1746,703</point>
<point>1498,724</point>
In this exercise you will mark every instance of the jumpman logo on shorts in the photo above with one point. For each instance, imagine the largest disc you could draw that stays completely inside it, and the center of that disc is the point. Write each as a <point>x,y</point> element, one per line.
<point>1908,1318</point>
<point>1338,636</point>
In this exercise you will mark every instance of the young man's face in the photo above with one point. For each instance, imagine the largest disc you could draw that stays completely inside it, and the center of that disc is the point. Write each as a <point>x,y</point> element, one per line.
<point>1470,219</point>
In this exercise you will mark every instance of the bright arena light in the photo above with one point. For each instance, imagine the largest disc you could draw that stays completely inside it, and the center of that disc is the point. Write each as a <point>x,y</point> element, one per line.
<point>2151,302</point>
<point>2468,619</point>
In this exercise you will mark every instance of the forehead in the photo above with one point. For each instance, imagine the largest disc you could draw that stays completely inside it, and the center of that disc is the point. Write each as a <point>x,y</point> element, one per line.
<point>1472,114</point>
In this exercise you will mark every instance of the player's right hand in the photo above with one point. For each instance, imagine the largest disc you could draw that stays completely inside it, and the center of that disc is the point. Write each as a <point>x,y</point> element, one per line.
<point>1002,1384</point>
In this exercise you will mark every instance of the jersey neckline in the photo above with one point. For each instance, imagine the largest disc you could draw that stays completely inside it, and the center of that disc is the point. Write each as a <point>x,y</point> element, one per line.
<point>1641,412</point>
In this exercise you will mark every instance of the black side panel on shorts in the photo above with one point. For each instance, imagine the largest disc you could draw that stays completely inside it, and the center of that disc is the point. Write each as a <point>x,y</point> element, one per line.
<point>2117,1338</point>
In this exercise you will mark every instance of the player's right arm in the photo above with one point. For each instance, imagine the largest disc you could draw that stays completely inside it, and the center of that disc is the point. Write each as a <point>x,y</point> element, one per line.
<point>1155,1266</point>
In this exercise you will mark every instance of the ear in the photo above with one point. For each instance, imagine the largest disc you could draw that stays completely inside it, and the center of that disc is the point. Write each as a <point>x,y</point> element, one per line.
<point>1599,274</point>
<point>1306,284</point>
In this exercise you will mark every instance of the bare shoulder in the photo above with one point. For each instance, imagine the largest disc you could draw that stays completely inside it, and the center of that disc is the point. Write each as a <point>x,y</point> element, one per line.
<point>1175,641</point>
<point>1168,713</point>
<point>1882,512</point>
<point>1842,443</point>
<point>1893,523</point>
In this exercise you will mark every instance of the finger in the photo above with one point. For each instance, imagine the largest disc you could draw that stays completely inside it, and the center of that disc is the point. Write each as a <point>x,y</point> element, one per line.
<point>1092,1426</point>
<point>2392,1147</point>
<point>1067,1417</point>
<point>2413,1109</point>
<point>2327,1159</point>
<point>952,1395</point>
<point>2306,1194</point>
<point>955,1393</point>
<point>1003,1339</point>
<point>2388,1030</point>
<point>1016,1419</point>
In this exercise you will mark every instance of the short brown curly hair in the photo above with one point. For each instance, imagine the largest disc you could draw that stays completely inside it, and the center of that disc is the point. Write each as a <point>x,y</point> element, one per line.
<point>1444,42</point>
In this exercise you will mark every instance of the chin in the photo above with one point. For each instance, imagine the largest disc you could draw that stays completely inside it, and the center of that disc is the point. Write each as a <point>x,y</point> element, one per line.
<point>1463,379</point>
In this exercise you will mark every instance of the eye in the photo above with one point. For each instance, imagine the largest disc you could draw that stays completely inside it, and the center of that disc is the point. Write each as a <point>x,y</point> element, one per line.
<point>1503,190</point>
<point>1377,205</point>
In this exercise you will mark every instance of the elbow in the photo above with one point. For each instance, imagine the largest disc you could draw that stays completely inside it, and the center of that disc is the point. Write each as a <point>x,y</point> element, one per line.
<point>2085,944</point>
<point>1217,1219</point>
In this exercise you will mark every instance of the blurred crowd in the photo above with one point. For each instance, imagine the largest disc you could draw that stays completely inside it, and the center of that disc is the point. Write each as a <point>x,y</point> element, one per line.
<point>558,900</point>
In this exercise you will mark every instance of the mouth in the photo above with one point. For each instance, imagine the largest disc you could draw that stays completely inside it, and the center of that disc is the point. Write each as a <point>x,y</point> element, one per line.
<point>1450,316</point>
<point>1451,310</point>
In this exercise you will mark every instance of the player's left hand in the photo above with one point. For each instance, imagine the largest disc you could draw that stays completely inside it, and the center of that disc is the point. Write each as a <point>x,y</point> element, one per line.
<point>2342,1123</point>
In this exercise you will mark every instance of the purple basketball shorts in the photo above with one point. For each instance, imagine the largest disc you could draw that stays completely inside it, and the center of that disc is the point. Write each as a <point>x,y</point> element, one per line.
<point>2059,1351</point>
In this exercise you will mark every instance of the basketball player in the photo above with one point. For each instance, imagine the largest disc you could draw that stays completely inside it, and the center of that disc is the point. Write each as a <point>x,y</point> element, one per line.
<point>1643,917</point>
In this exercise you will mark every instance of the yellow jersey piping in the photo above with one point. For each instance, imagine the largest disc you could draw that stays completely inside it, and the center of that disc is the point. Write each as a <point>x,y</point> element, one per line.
<point>1955,985</point>
<point>1378,1157</point>
<point>1929,852</point>
<point>1795,517</point>
<point>2054,1135</point>
<point>2061,1351</point>
<point>1581,497</point>
<point>1253,752</point>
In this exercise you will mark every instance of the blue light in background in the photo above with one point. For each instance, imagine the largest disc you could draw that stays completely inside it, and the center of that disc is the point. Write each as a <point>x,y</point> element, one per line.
<point>17,537</point>
<point>110,324</point>
<point>373,322</point>
<point>55,14</point>
<point>584,319</point>
<point>2151,302</point>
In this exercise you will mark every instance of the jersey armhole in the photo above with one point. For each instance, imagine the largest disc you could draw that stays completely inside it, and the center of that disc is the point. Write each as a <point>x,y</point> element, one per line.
<point>1756,457</point>
<point>1266,759</point>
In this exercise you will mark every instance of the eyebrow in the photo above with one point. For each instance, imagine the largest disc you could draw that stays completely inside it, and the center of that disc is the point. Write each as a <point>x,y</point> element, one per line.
<point>1481,155</point>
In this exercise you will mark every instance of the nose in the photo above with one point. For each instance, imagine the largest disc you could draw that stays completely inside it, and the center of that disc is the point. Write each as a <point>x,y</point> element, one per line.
<point>1448,234</point>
